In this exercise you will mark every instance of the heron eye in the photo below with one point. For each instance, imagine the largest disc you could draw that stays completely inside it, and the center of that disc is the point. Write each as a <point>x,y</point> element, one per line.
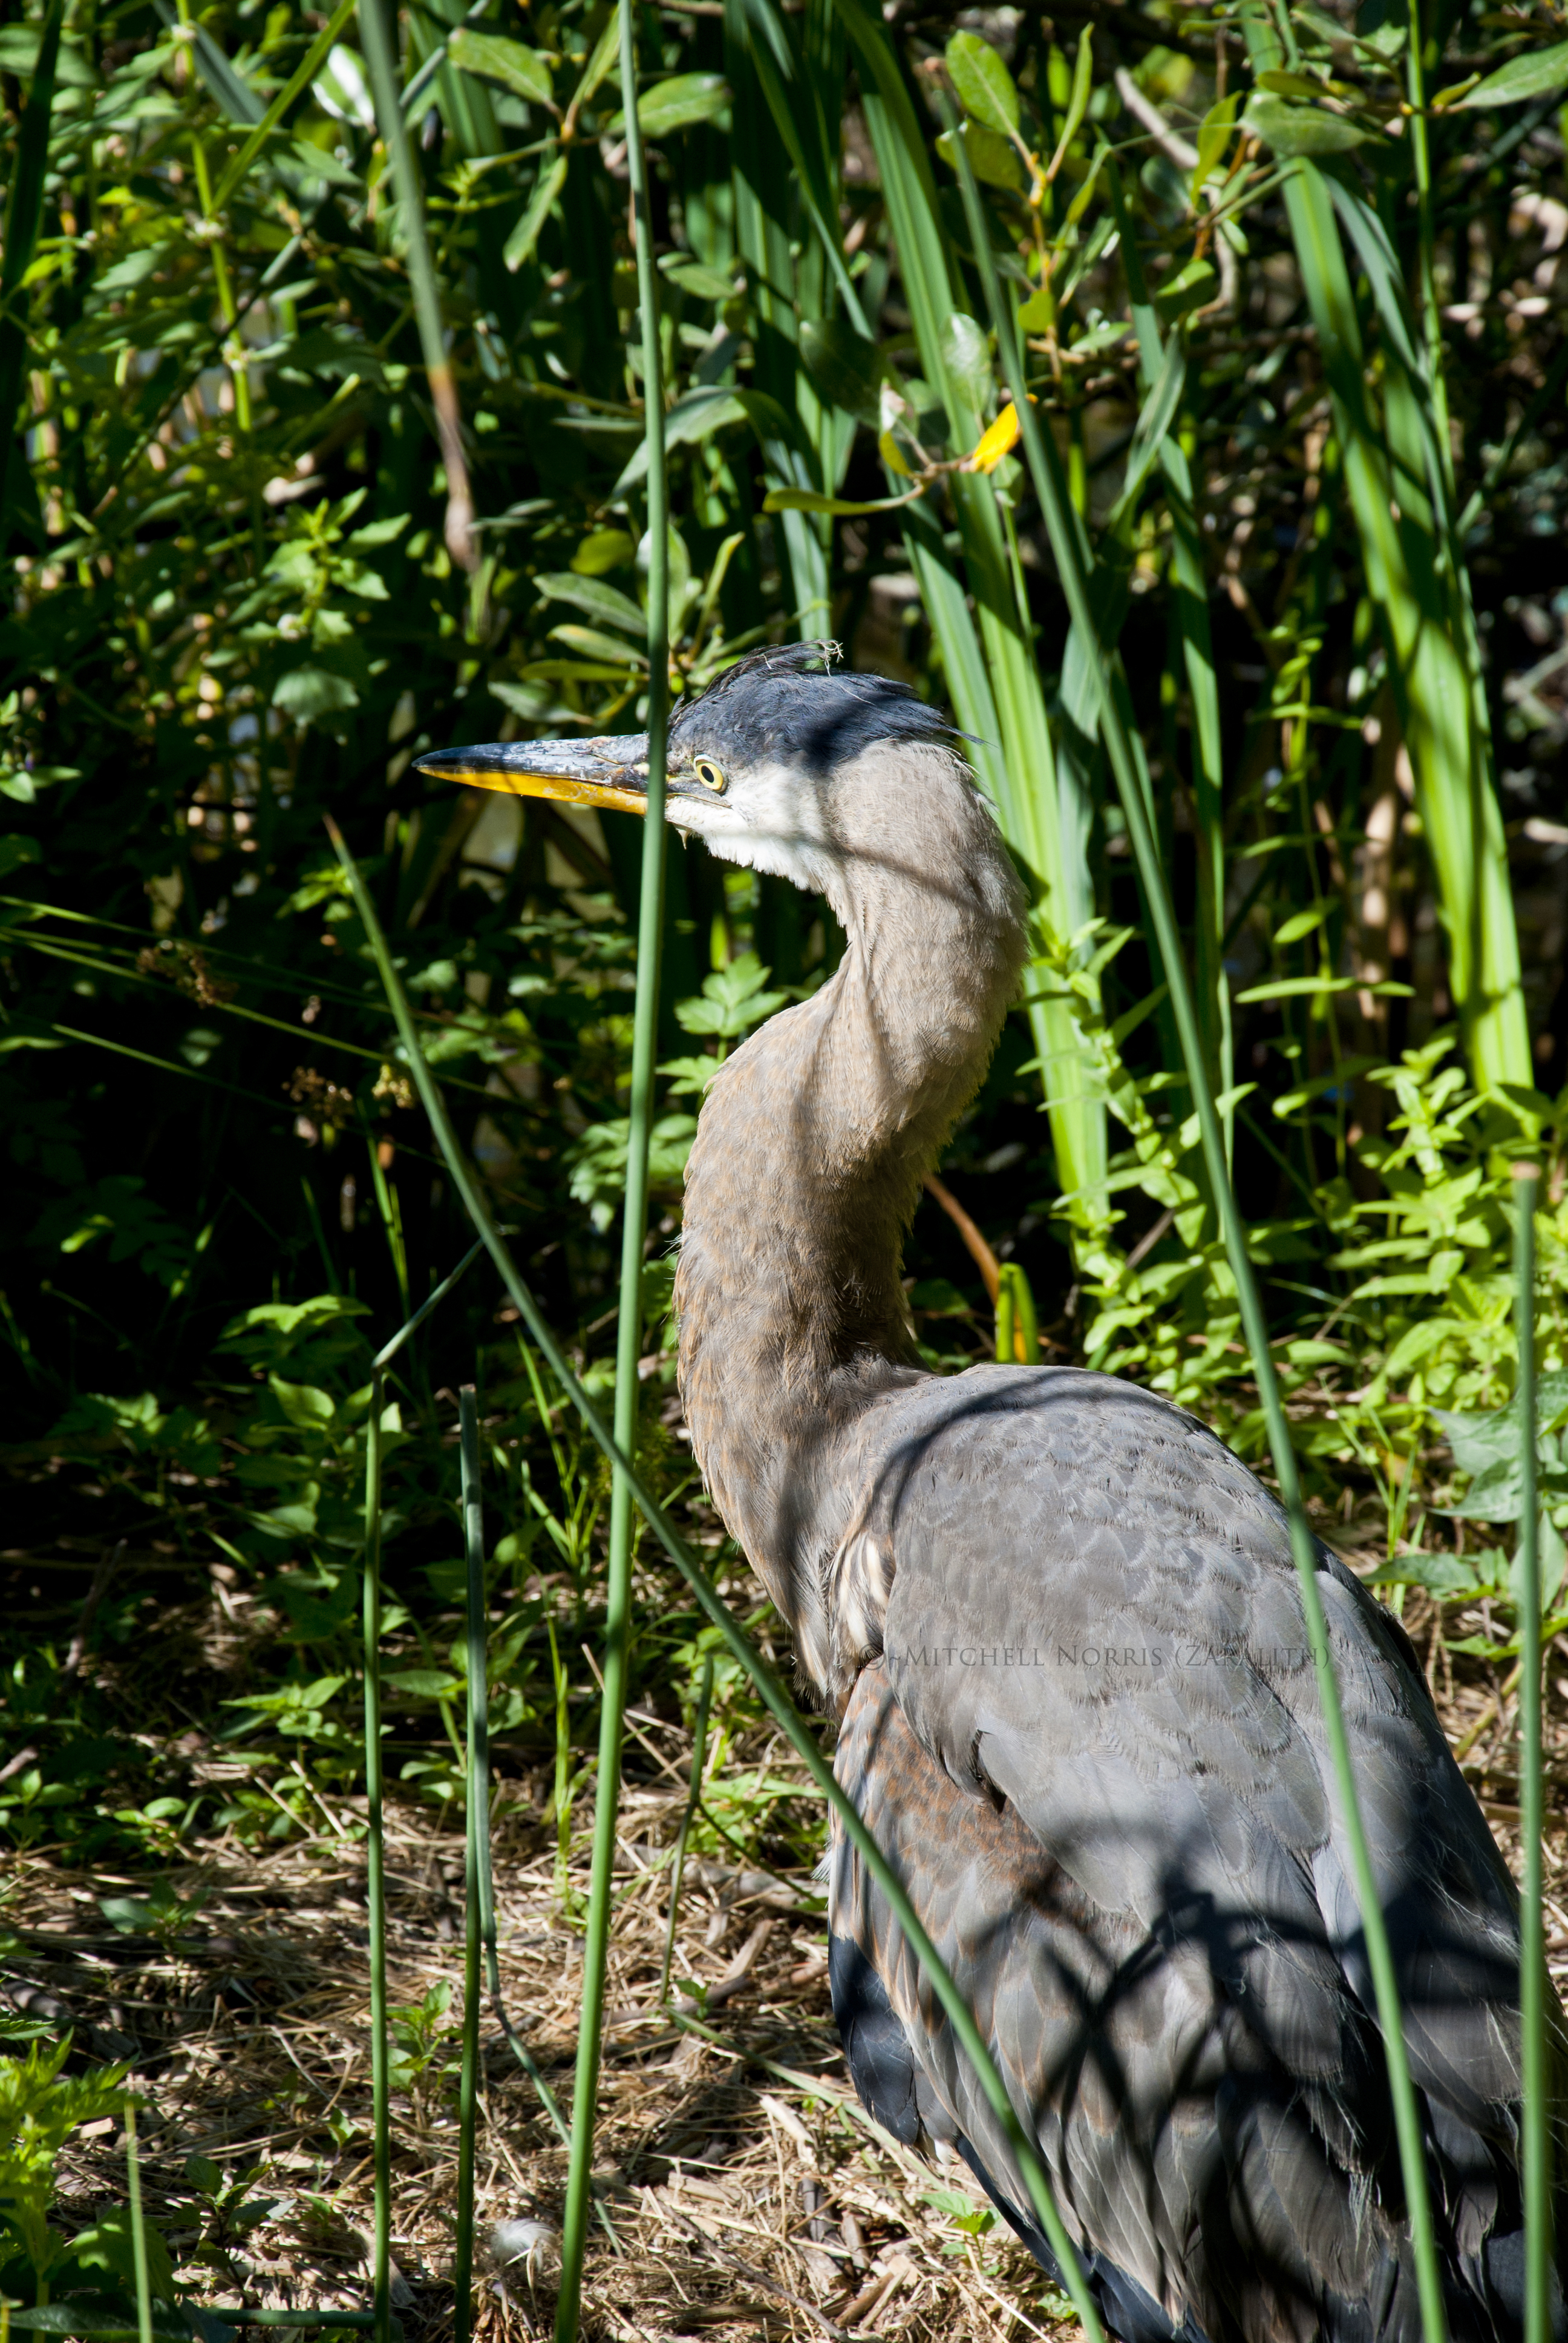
<point>709,774</point>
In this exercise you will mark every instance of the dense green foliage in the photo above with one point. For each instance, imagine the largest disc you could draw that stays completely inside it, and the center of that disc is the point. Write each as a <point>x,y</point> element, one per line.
<point>1299,341</point>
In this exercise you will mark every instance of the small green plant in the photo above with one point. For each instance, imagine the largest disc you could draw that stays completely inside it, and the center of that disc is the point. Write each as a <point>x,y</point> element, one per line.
<point>422,2044</point>
<point>972,2220</point>
<point>40,2107</point>
<point>229,2210</point>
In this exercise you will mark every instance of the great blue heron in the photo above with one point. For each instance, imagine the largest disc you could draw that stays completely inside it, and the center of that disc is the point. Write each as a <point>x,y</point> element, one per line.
<point>1059,1625</point>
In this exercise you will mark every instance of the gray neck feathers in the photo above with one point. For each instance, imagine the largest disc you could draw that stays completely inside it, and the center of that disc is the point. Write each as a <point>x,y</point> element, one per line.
<point>809,1158</point>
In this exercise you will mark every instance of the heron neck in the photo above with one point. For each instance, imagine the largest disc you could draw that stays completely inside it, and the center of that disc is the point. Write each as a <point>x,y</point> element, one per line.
<point>803,1178</point>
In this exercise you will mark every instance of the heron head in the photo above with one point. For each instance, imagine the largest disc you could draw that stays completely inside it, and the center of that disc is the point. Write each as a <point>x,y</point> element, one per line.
<point>778,765</point>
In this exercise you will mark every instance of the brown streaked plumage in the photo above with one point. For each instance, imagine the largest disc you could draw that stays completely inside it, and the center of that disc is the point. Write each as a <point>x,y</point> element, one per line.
<point>1059,1624</point>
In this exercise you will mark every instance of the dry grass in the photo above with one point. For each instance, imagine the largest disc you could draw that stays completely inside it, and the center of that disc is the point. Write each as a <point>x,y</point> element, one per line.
<point>742,2188</point>
<point>745,2188</point>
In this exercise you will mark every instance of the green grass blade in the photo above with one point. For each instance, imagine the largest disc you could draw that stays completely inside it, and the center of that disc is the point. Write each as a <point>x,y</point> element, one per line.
<point>1052,492</point>
<point>415,89</point>
<point>138,2227</point>
<point>476,1812</point>
<point>375,1870</point>
<point>389,1351</point>
<point>299,81</point>
<point>1539,2241</point>
<point>1190,579</point>
<point>381,64</point>
<point>678,1866</point>
<point>780,1705</point>
<point>628,1339</point>
<point>761,183</point>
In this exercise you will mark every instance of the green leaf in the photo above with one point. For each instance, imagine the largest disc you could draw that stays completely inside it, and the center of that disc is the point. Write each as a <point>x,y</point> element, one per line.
<point>986,90</point>
<point>994,160</point>
<point>1295,988</point>
<point>965,355</point>
<point>703,411</point>
<point>1292,130</point>
<point>844,369</point>
<point>492,57</point>
<point>813,500</point>
<point>1215,133</point>
<point>1446,1575</point>
<point>1300,924</point>
<point>602,550</point>
<point>591,644</point>
<point>552,179</point>
<point>1078,101</point>
<point>14,851</point>
<point>1157,414</point>
<point>1534,73</point>
<point>1188,289</point>
<point>1292,84</point>
<point>423,1683</point>
<point>676,105</point>
<point>691,277</point>
<point>310,692</point>
<point>608,604</point>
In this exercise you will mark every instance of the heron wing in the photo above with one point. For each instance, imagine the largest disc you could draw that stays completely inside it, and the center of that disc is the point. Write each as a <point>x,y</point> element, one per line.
<point>1093,1640</point>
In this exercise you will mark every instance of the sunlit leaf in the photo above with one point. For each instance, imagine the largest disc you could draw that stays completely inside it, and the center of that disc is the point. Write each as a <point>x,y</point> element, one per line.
<point>516,67</point>
<point>986,90</point>
<point>1534,73</point>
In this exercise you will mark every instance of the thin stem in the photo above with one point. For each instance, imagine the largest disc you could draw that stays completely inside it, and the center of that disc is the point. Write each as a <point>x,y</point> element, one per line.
<point>389,1351</point>
<point>1064,538</point>
<point>1539,2242</point>
<point>138,2229</point>
<point>775,1698</point>
<point>226,300</point>
<point>1431,323</point>
<point>629,1341</point>
<point>374,1875</point>
<point>476,1813</point>
<point>699,1758</point>
<point>381,61</point>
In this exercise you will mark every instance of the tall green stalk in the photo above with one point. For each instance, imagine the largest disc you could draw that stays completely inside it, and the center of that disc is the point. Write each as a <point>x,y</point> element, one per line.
<point>374,1866</point>
<point>380,58</point>
<point>138,2229</point>
<point>628,1339</point>
<point>1051,490</point>
<point>1539,2242</point>
<point>475,1813</point>
<point>1190,579</point>
<point>694,1793</point>
<point>775,1698</point>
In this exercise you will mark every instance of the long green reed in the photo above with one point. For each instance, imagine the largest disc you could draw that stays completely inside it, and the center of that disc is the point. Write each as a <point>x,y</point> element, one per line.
<point>476,1799</point>
<point>1050,489</point>
<point>1534,1989</point>
<point>138,2227</point>
<point>374,1869</point>
<point>381,61</point>
<point>693,1796</point>
<point>773,1695</point>
<point>628,1338</point>
<point>1017,1324</point>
